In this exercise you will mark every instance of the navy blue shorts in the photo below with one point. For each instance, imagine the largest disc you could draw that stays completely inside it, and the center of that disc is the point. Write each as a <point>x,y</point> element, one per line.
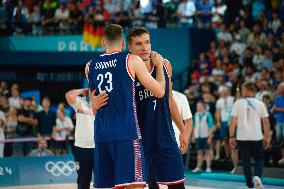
<point>217,134</point>
<point>224,130</point>
<point>201,144</point>
<point>167,165</point>
<point>119,164</point>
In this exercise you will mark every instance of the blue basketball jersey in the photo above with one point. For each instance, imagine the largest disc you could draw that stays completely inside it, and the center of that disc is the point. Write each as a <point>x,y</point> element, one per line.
<point>117,120</point>
<point>154,117</point>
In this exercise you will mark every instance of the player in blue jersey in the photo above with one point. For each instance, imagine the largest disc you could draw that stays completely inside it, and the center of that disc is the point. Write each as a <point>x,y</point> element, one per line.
<point>163,157</point>
<point>119,158</point>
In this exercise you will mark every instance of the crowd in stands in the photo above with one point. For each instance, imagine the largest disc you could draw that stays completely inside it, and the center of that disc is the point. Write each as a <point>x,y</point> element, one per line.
<point>37,17</point>
<point>24,118</point>
<point>248,49</point>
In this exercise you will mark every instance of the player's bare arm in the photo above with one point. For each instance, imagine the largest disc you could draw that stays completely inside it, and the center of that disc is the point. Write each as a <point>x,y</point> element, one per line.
<point>96,101</point>
<point>266,131</point>
<point>184,135</point>
<point>71,95</point>
<point>232,129</point>
<point>137,67</point>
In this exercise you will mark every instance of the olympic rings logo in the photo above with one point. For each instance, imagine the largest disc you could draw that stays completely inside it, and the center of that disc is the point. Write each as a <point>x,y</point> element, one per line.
<point>60,168</point>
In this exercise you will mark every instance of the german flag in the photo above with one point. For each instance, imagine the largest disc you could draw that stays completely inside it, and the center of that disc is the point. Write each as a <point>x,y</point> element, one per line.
<point>93,35</point>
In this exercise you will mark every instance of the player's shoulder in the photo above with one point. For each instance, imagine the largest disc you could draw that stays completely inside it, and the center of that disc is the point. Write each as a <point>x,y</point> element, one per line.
<point>167,63</point>
<point>133,58</point>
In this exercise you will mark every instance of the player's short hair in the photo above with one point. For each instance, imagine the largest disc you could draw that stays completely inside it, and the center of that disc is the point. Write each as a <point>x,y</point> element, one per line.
<point>113,33</point>
<point>136,31</point>
<point>249,86</point>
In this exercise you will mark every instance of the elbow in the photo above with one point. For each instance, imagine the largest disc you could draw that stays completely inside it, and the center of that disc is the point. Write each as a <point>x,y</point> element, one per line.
<point>160,93</point>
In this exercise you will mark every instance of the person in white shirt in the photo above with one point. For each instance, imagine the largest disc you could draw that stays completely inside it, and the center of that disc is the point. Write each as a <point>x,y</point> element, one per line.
<point>202,135</point>
<point>186,116</point>
<point>186,11</point>
<point>84,132</point>
<point>62,131</point>
<point>223,108</point>
<point>248,115</point>
<point>14,100</point>
<point>2,136</point>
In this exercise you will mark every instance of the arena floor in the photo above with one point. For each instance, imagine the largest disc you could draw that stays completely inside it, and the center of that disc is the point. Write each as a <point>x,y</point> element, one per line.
<point>193,183</point>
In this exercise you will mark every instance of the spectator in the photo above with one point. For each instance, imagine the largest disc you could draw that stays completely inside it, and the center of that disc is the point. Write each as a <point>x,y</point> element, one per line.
<point>4,104</point>
<point>35,20</point>
<point>4,89</point>
<point>243,31</point>
<point>218,11</point>
<point>46,119</point>
<point>42,150</point>
<point>2,136</point>
<point>249,74</point>
<point>256,38</point>
<point>278,110</point>
<point>185,13</point>
<point>263,90</point>
<point>10,131</point>
<point>258,57</point>
<point>204,13</point>
<point>47,16</point>
<point>61,18</point>
<point>257,8</point>
<point>26,126</point>
<point>223,109</point>
<point>75,19</point>
<point>203,133</point>
<point>63,129</point>
<point>135,14</point>
<point>237,46</point>
<point>224,35</point>
<point>14,100</point>
<point>267,60</point>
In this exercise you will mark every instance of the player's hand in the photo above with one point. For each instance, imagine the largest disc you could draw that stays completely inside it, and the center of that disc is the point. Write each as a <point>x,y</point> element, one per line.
<point>98,101</point>
<point>85,92</point>
<point>183,142</point>
<point>157,59</point>
<point>233,143</point>
<point>266,142</point>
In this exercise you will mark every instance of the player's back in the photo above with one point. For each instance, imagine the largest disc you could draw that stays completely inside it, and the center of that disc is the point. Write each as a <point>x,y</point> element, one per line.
<point>154,117</point>
<point>117,120</point>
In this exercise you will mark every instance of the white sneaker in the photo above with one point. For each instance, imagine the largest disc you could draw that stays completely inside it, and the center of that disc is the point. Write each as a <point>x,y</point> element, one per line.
<point>233,171</point>
<point>208,170</point>
<point>217,158</point>
<point>281,161</point>
<point>197,170</point>
<point>257,183</point>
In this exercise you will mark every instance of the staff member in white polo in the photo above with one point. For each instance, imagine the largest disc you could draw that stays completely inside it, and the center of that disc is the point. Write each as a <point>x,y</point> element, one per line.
<point>186,116</point>
<point>84,133</point>
<point>247,114</point>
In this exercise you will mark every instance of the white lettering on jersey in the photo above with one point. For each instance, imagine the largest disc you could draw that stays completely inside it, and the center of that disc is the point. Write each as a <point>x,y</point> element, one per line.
<point>144,94</point>
<point>103,65</point>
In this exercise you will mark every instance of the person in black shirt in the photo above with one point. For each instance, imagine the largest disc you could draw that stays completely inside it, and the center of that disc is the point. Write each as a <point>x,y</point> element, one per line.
<point>27,122</point>
<point>46,119</point>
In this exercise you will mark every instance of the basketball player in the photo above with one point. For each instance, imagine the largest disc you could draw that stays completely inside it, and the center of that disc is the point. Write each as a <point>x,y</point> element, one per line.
<point>84,133</point>
<point>119,157</point>
<point>162,154</point>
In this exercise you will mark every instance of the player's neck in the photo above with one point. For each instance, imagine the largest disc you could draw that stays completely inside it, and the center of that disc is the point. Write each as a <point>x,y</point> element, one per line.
<point>149,64</point>
<point>113,49</point>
